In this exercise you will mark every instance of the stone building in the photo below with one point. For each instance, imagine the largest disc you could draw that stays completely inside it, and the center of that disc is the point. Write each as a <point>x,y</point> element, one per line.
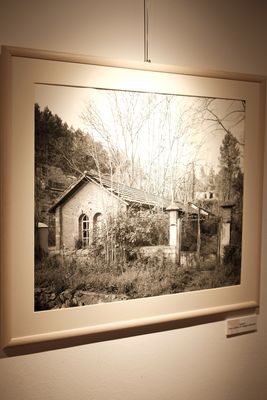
<point>82,208</point>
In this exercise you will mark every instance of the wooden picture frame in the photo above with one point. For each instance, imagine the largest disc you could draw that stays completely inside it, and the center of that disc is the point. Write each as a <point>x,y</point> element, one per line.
<point>21,70</point>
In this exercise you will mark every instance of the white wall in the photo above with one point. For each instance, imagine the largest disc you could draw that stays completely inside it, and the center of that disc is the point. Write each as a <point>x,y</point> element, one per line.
<point>192,362</point>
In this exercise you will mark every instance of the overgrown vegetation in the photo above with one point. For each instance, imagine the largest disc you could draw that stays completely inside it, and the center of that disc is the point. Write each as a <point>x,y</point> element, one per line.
<point>62,154</point>
<point>140,279</point>
<point>208,235</point>
<point>120,238</point>
<point>113,265</point>
<point>152,276</point>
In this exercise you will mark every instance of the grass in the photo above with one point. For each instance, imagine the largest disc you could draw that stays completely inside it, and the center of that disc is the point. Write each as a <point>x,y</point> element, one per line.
<point>140,278</point>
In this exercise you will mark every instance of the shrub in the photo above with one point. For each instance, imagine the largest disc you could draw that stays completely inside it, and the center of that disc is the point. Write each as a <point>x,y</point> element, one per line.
<point>49,273</point>
<point>121,236</point>
<point>78,243</point>
<point>189,235</point>
<point>232,260</point>
<point>140,278</point>
<point>232,255</point>
<point>141,228</point>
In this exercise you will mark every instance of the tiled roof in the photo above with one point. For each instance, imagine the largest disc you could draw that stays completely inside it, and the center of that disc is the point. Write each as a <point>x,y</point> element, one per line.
<point>126,193</point>
<point>131,195</point>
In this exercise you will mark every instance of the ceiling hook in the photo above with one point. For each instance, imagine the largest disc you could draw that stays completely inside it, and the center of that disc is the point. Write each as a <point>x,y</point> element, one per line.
<point>146,56</point>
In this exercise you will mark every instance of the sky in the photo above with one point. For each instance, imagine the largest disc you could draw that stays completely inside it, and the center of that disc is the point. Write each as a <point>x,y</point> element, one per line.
<point>175,132</point>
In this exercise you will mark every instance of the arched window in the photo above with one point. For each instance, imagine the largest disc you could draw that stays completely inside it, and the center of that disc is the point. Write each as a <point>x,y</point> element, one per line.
<point>84,230</point>
<point>97,225</point>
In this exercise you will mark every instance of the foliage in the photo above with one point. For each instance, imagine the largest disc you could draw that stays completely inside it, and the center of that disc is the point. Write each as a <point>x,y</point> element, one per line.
<point>189,235</point>
<point>63,147</point>
<point>208,235</point>
<point>61,155</point>
<point>49,272</point>
<point>232,259</point>
<point>230,166</point>
<point>122,235</point>
<point>220,277</point>
<point>142,277</point>
<point>78,243</point>
<point>236,228</point>
<point>142,228</point>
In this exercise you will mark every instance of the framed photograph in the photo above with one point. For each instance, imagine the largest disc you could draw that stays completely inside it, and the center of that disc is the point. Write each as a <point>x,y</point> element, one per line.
<point>131,194</point>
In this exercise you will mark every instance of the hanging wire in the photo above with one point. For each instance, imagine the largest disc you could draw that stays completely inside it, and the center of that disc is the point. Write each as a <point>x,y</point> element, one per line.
<point>146,57</point>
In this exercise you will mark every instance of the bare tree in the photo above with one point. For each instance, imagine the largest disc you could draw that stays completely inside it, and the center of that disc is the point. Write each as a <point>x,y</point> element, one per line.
<point>225,120</point>
<point>158,142</point>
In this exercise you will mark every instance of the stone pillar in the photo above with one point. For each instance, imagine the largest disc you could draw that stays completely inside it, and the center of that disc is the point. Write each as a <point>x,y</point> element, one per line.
<point>174,232</point>
<point>225,233</point>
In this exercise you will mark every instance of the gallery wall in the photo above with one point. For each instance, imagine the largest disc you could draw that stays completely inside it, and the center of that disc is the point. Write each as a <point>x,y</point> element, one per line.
<point>188,362</point>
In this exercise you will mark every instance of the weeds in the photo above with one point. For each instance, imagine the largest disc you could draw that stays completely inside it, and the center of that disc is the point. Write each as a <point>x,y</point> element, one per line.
<point>138,278</point>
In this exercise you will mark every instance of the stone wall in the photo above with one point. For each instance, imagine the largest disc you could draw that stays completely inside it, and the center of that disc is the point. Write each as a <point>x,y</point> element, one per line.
<point>91,199</point>
<point>162,252</point>
<point>190,259</point>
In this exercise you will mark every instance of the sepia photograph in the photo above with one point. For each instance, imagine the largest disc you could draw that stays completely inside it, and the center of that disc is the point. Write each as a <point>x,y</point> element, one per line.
<point>137,194</point>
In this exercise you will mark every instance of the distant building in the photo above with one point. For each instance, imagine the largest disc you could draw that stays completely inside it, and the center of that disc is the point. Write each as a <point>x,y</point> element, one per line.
<point>206,195</point>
